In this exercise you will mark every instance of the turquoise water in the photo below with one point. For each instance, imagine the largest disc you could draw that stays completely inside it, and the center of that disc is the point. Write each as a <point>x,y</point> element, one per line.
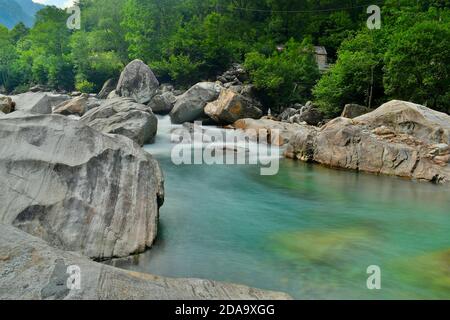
<point>308,231</point>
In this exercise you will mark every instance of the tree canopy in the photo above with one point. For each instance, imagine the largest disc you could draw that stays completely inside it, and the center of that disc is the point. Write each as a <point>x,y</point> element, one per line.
<point>186,41</point>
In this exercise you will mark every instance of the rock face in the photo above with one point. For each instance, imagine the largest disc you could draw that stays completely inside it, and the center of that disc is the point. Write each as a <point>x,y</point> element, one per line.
<point>38,102</point>
<point>125,117</point>
<point>399,138</point>
<point>6,104</point>
<point>231,106</point>
<point>281,133</point>
<point>32,270</point>
<point>412,119</point>
<point>109,86</point>
<point>75,106</point>
<point>77,188</point>
<point>138,82</point>
<point>163,103</point>
<point>354,110</point>
<point>189,106</point>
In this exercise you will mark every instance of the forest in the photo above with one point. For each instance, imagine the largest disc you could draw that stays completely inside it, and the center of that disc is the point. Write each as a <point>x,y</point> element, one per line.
<point>186,41</point>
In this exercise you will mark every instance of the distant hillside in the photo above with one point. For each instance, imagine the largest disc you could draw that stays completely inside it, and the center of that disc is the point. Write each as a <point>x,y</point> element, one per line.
<point>14,11</point>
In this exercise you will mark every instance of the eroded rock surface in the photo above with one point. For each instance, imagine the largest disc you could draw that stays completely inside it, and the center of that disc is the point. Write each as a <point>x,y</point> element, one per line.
<point>77,188</point>
<point>399,138</point>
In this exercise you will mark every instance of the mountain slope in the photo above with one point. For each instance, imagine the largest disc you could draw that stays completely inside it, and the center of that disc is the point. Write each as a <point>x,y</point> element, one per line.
<point>14,11</point>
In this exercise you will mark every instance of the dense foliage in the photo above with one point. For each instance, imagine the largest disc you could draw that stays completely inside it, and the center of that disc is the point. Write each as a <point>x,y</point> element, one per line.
<point>186,41</point>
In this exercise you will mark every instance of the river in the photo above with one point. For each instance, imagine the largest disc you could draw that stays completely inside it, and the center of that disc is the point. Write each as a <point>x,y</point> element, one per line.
<point>309,231</point>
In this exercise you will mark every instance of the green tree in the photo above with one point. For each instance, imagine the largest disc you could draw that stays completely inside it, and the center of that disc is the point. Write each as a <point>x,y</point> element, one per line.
<point>418,65</point>
<point>285,77</point>
<point>356,77</point>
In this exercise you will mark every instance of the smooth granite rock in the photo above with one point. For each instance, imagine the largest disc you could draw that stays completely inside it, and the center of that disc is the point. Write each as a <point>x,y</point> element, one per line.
<point>189,106</point>
<point>77,188</point>
<point>125,117</point>
<point>38,102</point>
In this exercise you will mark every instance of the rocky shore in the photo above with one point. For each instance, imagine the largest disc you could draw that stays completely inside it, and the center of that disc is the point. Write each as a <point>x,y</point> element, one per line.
<point>399,138</point>
<point>77,187</point>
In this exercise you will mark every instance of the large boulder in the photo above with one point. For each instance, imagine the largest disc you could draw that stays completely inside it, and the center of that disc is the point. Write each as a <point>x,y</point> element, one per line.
<point>382,143</point>
<point>76,188</point>
<point>76,106</point>
<point>163,103</point>
<point>405,117</point>
<point>354,110</point>
<point>232,106</point>
<point>125,117</point>
<point>38,102</point>
<point>7,105</point>
<point>190,105</point>
<point>32,270</point>
<point>138,82</point>
<point>108,87</point>
<point>280,132</point>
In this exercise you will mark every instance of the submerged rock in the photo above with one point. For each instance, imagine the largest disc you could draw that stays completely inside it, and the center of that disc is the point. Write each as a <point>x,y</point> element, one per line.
<point>76,188</point>
<point>189,106</point>
<point>138,82</point>
<point>399,138</point>
<point>232,106</point>
<point>125,117</point>
<point>46,277</point>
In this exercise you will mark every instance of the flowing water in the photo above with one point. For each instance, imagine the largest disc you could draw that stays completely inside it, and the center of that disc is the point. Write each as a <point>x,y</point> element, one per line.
<point>309,231</point>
